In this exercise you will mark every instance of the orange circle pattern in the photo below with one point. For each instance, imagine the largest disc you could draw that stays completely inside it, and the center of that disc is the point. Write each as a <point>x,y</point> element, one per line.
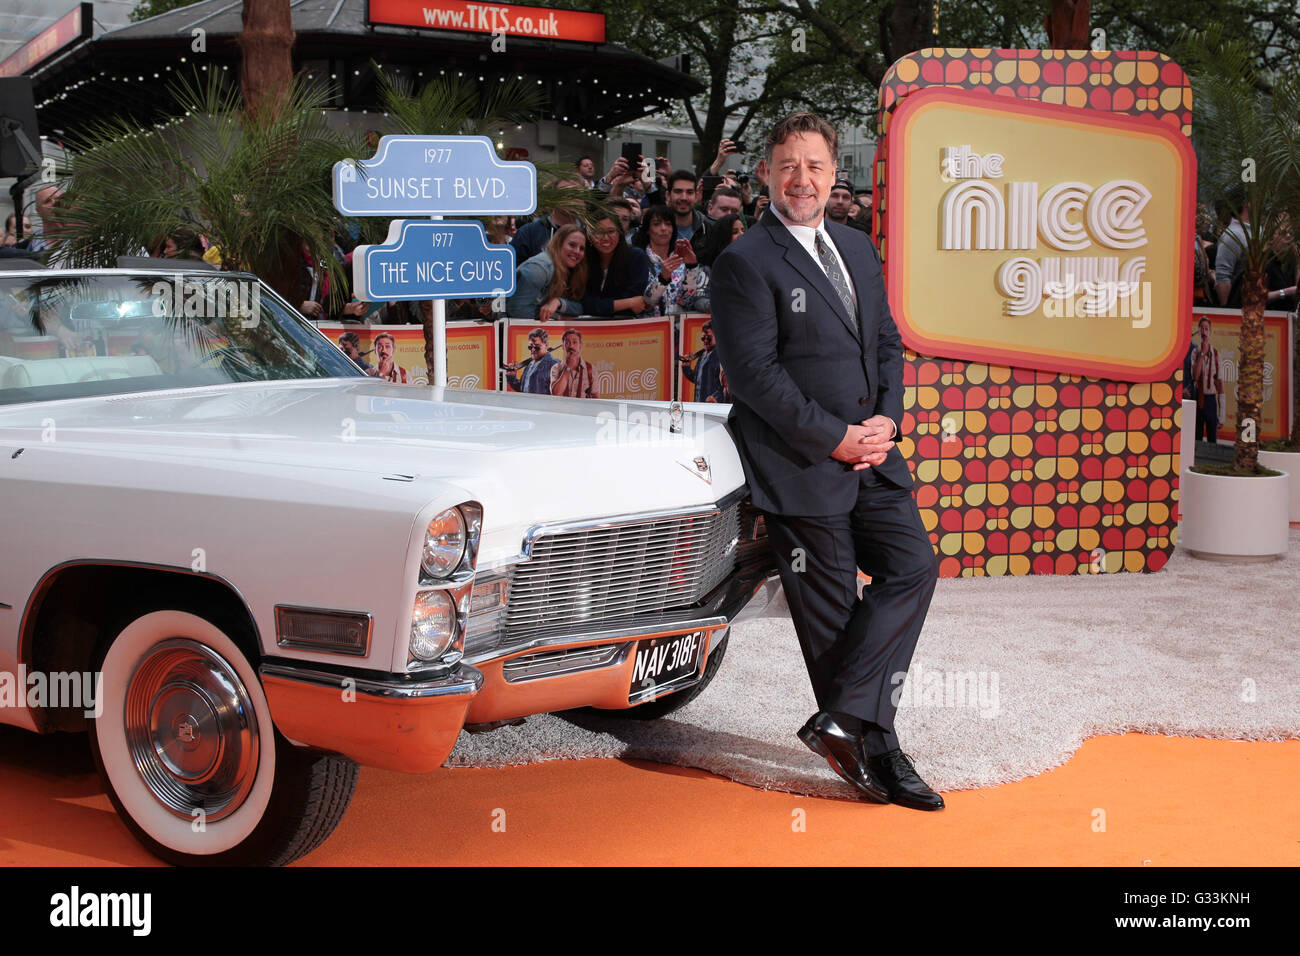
<point>1027,472</point>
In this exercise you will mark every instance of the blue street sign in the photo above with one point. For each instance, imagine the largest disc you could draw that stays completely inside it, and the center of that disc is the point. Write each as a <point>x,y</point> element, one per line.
<point>429,259</point>
<point>435,176</point>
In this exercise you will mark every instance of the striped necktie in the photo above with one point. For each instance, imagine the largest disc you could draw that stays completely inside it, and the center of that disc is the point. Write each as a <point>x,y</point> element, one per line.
<point>833,273</point>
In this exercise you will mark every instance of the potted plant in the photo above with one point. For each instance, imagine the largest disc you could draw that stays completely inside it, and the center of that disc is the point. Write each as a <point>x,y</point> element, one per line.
<point>1247,135</point>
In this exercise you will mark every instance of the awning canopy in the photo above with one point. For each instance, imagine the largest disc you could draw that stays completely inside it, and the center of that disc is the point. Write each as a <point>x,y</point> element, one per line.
<point>590,86</point>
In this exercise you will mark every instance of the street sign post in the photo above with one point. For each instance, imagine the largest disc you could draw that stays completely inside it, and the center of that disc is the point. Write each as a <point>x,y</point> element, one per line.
<point>434,176</point>
<point>432,259</point>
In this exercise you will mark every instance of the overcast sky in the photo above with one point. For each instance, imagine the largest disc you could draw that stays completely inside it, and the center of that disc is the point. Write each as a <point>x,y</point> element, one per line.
<point>20,20</point>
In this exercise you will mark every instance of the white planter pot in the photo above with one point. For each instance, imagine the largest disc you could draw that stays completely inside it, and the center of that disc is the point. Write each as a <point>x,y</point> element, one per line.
<point>1288,461</point>
<point>1234,519</point>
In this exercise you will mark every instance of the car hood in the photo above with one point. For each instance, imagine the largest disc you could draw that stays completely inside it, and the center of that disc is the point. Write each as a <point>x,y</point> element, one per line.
<point>527,458</point>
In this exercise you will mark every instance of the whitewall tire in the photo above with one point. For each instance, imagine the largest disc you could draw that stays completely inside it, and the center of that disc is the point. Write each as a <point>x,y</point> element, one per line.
<point>191,759</point>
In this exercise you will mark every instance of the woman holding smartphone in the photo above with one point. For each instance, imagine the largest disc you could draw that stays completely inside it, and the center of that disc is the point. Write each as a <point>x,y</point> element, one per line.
<point>675,283</point>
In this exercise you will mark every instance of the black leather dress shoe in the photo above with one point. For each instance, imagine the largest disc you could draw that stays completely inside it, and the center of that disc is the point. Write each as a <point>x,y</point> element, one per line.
<point>906,788</point>
<point>845,753</point>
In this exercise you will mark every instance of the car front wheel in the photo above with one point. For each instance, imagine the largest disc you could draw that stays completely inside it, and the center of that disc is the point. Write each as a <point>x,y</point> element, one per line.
<point>184,743</point>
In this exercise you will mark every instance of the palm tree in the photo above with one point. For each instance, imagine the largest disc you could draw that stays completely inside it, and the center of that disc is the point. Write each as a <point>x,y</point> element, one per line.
<point>457,106</point>
<point>255,181</point>
<point>1248,141</point>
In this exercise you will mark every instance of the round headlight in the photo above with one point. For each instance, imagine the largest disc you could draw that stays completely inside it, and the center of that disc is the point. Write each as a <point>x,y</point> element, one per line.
<point>444,544</point>
<point>433,625</point>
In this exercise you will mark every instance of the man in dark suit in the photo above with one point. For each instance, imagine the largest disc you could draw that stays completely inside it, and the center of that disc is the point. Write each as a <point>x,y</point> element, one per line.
<point>815,367</point>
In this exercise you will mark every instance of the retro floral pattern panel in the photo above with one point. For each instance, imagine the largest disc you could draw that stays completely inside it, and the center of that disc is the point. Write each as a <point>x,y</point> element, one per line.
<point>1023,471</point>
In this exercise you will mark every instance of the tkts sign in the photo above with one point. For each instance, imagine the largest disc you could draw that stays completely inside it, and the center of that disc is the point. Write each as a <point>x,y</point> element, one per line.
<point>1029,234</point>
<point>480,17</point>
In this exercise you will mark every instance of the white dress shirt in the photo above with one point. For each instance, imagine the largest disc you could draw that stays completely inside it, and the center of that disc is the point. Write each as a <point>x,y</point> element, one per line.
<point>807,236</point>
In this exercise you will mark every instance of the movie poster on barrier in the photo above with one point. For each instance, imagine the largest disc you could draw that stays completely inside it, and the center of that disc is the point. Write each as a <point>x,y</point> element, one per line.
<point>628,358</point>
<point>691,342</point>
<point>396,352</point>
<point>1275,405</point>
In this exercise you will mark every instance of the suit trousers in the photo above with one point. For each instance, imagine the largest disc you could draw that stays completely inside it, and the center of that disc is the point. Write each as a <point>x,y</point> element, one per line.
<point>858,649</point>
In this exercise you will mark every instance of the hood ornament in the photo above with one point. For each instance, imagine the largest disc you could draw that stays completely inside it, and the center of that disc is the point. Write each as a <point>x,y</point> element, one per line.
<point>675,416</point>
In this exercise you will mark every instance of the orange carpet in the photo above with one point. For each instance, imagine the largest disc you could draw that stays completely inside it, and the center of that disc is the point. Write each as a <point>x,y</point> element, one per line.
<point>1163,801</point>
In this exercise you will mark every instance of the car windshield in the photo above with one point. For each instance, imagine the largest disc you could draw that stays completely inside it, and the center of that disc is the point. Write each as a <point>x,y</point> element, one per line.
<point>69,335</point>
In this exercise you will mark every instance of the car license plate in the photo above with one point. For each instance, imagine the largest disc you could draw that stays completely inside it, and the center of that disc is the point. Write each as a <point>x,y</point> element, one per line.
<point>661,661</point>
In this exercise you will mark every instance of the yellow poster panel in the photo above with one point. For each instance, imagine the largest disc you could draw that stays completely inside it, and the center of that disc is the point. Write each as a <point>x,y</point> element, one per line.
<point>1274,409</point>
<point>629,359</point>
<point>396,352</point>
<point>472,355</point>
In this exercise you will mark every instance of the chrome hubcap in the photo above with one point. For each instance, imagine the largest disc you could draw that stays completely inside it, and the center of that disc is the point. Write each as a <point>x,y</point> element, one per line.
<point>191,730</point>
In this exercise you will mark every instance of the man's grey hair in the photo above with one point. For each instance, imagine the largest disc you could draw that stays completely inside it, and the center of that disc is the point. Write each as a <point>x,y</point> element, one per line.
<point>801,123</point>
<point>540,334</point>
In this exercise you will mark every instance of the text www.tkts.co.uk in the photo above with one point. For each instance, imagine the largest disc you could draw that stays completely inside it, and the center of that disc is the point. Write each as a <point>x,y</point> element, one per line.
<point>492,20</point>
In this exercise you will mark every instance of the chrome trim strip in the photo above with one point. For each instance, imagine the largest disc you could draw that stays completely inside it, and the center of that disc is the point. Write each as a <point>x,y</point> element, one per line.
<point>464,680</point>
<point>349,616</point>
<point>664,625</point>
<point>532,667</point>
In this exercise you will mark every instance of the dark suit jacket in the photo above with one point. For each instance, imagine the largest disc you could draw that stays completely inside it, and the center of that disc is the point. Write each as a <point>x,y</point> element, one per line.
<point>797,371</point>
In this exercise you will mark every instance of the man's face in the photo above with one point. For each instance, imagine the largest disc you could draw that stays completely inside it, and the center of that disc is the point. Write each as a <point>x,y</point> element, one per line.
<point>535,348</point>
<point>840,204</point>
<point>802,171</point>
<point>384,349</point>
<point>624,218</point>
<point>350,349</point>
<point>47,199</point>
<point>587,168</point>
<point>706,338</point>
<point>559,216</point>
<point>1204,327</point>
<point>721,206</point>
<point>682,197</point>
<point>572,345</point>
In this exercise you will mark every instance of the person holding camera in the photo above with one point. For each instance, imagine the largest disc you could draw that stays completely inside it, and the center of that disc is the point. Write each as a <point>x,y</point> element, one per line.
<point>675,284</point>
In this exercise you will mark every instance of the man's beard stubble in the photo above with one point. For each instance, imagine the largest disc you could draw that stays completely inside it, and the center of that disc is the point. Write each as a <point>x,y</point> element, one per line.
<point>785,210</point>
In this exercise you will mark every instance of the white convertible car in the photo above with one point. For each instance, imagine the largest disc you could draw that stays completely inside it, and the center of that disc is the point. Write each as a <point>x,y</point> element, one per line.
<point>245,567</point>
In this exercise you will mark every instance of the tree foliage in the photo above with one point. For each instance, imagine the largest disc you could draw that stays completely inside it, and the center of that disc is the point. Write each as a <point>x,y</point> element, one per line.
<point>761,59</point>
<point>1247,137</point>
<point>255,182</point>
<point>151,8</point>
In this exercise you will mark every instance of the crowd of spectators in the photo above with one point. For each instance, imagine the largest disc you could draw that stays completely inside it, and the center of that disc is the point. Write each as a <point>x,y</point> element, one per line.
<point>1220,259</point>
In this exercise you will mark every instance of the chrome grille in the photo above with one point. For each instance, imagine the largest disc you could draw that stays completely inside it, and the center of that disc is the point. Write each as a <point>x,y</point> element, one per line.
<point>577,579</point>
